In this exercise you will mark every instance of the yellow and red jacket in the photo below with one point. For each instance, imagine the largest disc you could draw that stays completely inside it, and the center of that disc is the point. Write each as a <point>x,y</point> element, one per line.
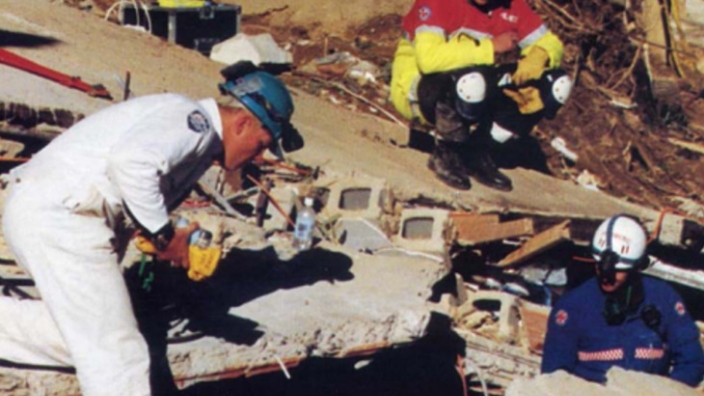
<point>443,35</point>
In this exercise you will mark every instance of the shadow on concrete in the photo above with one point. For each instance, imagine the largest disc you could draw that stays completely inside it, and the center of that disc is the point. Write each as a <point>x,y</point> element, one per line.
<point>162,296</point>
<point>524,152</point>
<point>424,368</point>
<point>15,39</point>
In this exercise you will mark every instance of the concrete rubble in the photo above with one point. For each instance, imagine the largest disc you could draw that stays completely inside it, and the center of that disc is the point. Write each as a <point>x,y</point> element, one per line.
<point>328,302</point>
<point>365,287</point>
<point>384,242</point>
<point>619,382</point>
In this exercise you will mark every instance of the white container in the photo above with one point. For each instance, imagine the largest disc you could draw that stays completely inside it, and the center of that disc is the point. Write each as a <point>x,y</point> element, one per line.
<point>305,224</point>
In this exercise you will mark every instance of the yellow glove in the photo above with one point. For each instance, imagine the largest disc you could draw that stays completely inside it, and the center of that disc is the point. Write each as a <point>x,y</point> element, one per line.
<point>204,261</point>
<point>528,99</point>
<point>531,66</point>
<point>144,245</point>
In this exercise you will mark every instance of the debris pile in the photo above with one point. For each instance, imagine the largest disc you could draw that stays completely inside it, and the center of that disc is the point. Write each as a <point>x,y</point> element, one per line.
<point>268,307</point>
<point>494,273</point>
<point>632,127</point>
<point>621,133</point>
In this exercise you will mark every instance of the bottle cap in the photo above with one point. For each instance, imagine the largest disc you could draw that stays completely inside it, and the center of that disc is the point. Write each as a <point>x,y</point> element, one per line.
<point>308,201</point>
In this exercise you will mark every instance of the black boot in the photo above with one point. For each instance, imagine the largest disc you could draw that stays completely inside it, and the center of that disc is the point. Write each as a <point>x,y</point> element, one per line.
<point>482,168</point>
<point>446,163</point>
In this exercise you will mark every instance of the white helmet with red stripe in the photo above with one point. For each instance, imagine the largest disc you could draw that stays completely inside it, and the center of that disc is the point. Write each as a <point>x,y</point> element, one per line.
<point>624,238</point>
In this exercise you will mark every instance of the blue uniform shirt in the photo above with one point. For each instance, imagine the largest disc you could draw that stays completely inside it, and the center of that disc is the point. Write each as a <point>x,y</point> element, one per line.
<point>580,341</point>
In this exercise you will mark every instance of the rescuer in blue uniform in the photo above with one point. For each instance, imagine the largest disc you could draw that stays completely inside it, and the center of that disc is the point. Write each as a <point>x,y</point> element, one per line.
<point>622,318</point>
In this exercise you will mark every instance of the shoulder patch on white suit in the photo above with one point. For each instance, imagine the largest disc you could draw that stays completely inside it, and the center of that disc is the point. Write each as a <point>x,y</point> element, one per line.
<point>198,122</point>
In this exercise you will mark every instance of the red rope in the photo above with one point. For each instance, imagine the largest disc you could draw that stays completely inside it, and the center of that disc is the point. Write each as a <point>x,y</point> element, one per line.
<point>280,164</point>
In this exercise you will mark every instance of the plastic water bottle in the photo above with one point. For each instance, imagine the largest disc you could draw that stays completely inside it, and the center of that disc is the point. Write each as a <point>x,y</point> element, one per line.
<point>200,237</point>
<point>305,224</point>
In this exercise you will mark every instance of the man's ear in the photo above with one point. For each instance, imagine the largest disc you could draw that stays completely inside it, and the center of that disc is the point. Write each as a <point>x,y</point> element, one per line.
<point>235,122</point>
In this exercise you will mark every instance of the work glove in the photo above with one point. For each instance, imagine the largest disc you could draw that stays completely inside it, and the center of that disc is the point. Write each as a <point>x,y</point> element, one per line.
<point>531,66</point>
<point>203,261</point>
<point>528,99</point>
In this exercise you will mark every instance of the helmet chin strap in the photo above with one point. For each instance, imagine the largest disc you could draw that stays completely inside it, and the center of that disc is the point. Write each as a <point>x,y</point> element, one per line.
<point>624,301</point>
<point>607,266</point>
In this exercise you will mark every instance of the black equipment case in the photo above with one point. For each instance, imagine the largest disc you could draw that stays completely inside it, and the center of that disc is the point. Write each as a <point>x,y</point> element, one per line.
<point>198,28</point>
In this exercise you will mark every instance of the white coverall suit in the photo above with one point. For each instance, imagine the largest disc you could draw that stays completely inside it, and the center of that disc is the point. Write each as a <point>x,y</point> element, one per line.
<point>61,218</point>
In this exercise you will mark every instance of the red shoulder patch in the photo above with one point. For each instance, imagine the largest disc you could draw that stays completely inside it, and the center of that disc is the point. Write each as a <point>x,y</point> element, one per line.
<point>561,317</point>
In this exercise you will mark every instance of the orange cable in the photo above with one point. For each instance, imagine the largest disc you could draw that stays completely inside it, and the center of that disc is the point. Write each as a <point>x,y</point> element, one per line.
<point>287,167</point>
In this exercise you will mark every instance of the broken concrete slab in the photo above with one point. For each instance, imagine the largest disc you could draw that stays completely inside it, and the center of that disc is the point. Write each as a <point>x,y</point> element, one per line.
<point>20,382</point>
<point>627,382</point>
<point>689,277</point>
<point>400,309</point>
<point>557,383</point>
<point>358,196</point>
<point>503,310</point>
<point>361,235</point>
<point>328,302</point>
<point>424,230</point>
<point>619,382</point>
<point>496,362</point>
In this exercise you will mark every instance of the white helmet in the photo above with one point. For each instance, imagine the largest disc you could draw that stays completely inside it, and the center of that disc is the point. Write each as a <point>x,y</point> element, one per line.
<point>624,237</point>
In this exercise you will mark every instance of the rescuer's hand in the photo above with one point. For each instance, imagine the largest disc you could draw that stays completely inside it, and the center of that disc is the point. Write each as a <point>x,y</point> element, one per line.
<point>176,252</point>
<point>504,42</point>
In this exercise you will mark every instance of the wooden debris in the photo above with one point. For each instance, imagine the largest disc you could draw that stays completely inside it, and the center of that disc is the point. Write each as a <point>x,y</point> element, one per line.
<point>538,244</point>
<point>697,148</point>
<point>477,229</point>
<point>535,324</point>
